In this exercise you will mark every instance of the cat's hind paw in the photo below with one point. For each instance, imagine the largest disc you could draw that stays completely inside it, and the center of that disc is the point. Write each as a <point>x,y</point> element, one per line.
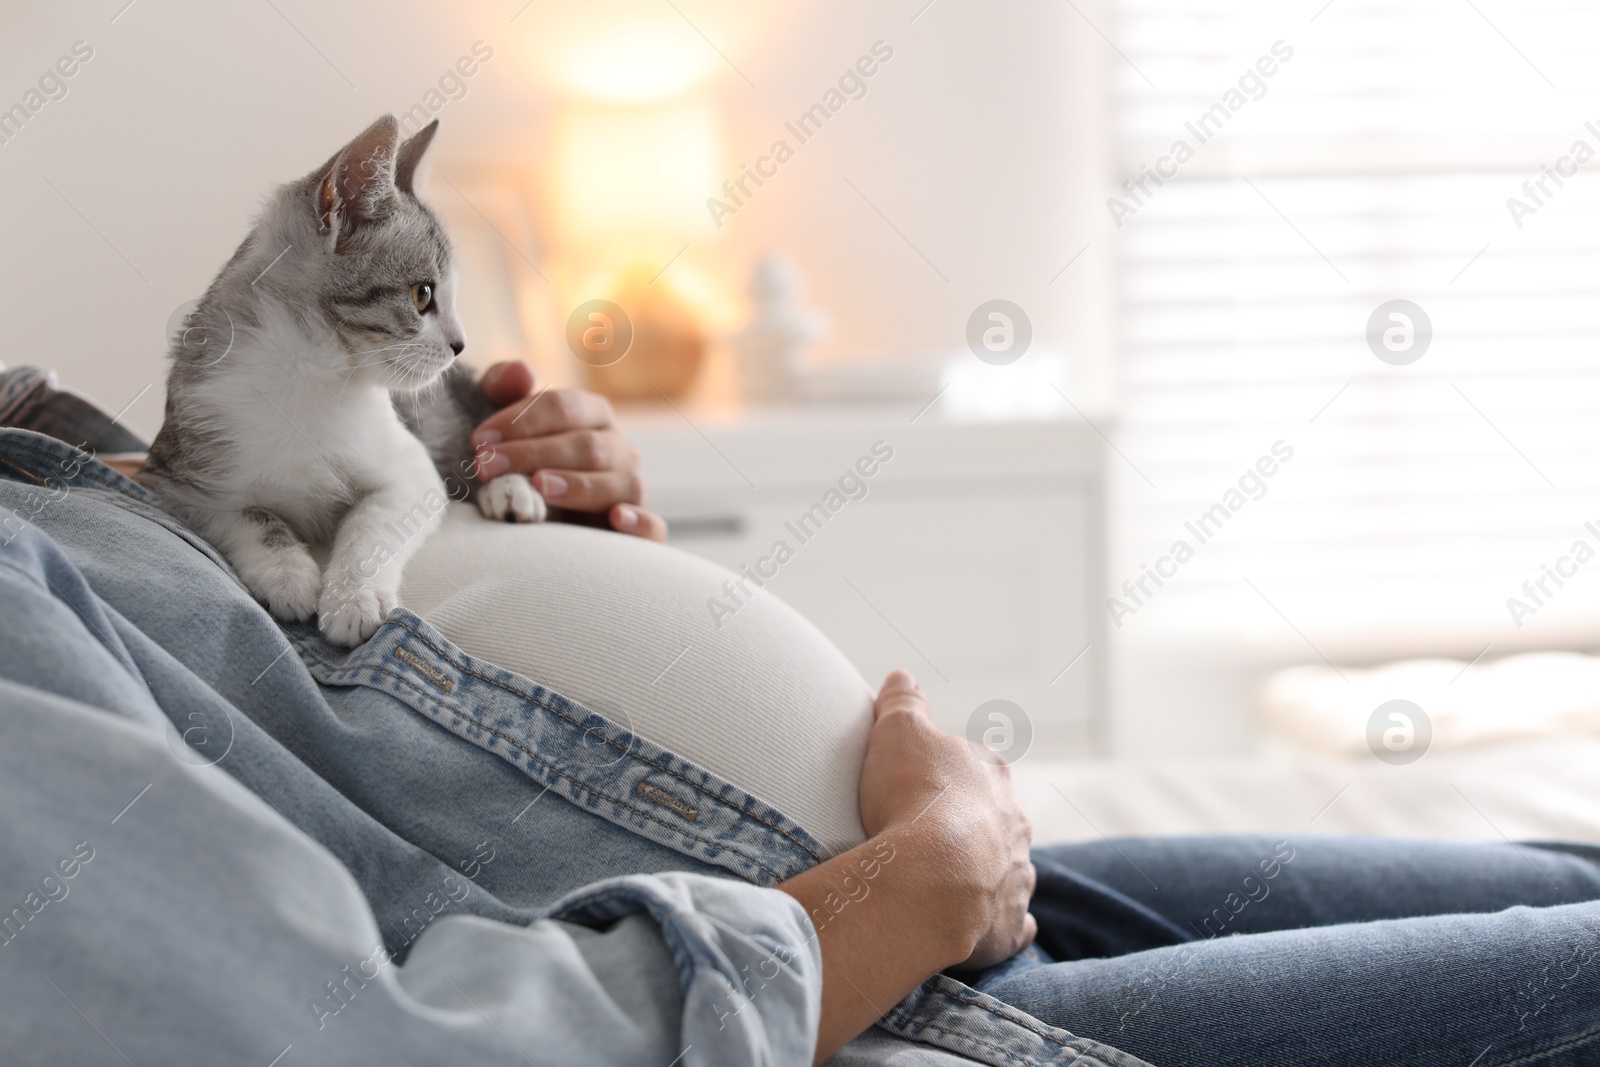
<point>352,617</point>
<point>512,498</point>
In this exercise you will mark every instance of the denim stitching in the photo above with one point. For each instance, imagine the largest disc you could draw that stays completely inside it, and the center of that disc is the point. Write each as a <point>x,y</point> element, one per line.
<point>51,445</point>
<point>25,472</point>
<point>47,447</point>
<point>124,491</point>
<point>956,996</point>
<point>933,1028</point>
<point>51,448</point>
<point>533,757</point>
<point>1539,1055</point>
<point>643,759</point>
<point>998,1050</point>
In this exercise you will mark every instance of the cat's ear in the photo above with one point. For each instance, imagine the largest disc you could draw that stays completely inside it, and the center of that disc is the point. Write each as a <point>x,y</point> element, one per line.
<point>358,185</point>
<point>405,170</point>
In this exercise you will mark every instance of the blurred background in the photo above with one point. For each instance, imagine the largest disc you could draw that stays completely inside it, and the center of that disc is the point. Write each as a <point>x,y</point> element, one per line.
<point>1198,216</point>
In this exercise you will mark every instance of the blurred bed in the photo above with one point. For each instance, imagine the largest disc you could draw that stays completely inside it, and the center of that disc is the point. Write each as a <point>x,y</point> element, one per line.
<point>1545,788</point>
<point>1515,754</point>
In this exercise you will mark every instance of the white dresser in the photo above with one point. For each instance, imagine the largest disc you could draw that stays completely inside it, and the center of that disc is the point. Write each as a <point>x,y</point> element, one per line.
<point>974,559</point>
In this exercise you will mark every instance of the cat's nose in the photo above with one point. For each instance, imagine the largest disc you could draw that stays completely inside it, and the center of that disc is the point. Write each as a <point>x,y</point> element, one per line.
<point>457,346</point>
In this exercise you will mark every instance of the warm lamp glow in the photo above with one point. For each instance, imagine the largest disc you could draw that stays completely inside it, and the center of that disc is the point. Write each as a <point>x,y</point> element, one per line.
<point>708,294</point>
<point>637,175</point>
<point>632,51</point>
<point>633,152</point>
<point>635,63</point>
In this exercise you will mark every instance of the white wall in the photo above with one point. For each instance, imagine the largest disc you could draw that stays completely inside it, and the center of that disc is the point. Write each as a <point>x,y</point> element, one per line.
<point>982,141</point>
<point>166,142</point>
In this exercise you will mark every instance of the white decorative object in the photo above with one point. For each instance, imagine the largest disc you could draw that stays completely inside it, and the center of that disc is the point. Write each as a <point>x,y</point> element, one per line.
<point>771,348</point>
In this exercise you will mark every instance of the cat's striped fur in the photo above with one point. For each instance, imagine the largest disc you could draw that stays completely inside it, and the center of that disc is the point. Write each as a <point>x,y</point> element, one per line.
<point>282,429</point>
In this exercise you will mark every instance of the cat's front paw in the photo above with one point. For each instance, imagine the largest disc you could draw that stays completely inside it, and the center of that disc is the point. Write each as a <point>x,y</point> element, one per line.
<point>512,498</point>
<point>289,584</point>
<point>353,615</point>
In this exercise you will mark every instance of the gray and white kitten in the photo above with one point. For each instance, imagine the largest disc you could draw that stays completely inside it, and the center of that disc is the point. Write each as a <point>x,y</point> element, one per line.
<point>282,429</point>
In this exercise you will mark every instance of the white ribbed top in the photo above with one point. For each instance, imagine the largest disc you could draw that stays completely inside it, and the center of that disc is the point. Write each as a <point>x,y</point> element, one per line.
<point>621,625</point>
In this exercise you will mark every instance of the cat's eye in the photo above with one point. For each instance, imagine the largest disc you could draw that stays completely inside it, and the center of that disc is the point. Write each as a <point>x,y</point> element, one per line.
<point>422,296</point>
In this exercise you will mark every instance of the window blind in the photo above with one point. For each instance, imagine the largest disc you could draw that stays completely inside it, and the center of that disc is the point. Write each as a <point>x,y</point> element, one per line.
<point>1438,153</point>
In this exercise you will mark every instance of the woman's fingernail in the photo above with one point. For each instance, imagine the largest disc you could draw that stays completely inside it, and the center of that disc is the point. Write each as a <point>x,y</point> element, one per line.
<point>901,679</point>
<point>627,517</point>
<point>552,485</point>
<point>494,466</point>
<point>486,437</point>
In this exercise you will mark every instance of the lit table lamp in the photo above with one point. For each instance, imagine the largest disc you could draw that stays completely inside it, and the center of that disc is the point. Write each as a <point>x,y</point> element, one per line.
<point>627,200</point>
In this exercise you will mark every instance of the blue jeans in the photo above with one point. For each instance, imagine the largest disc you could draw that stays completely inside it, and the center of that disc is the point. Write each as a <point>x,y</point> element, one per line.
<point>401,854</point>
<point>394,854</point>
<point>1216,951</point>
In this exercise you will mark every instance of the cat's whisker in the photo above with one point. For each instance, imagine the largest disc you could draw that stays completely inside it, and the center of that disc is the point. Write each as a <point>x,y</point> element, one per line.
<point>388,355</point>
<point>398,345</point>
<point>381,359</point>
<point>405,365</point>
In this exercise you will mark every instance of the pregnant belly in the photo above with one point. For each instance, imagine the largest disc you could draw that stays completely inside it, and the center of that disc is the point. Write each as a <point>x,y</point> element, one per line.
<point>621,625</point>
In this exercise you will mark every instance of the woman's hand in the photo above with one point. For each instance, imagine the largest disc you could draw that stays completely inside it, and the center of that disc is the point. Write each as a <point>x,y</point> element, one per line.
<point>566,442</point>
<point>920,779</point>
<point>943,881</point>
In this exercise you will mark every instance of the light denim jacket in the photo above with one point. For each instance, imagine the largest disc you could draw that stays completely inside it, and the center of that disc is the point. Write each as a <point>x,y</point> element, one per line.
<point>227,841</point>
